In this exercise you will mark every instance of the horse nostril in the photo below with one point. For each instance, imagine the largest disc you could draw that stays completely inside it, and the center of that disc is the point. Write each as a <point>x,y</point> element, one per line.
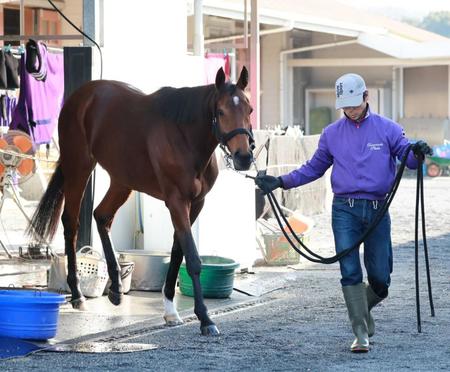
<point>242,161</point>
<point>243,156</point>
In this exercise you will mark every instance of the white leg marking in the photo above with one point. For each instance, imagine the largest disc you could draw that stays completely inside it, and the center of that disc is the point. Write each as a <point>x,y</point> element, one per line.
<point>170,312</point>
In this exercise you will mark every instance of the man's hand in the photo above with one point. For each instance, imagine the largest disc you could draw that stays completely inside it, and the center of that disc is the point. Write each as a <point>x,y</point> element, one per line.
<point>268,183</point>
<point>421,148</point>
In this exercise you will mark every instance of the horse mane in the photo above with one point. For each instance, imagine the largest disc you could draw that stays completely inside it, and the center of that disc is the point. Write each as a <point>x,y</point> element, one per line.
<point>189,104</point>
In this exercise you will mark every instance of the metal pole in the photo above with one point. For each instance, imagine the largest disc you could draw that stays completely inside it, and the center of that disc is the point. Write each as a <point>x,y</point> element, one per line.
<point>89,15</point>
<point>401,94</point>
<point>394,94</point>
<point>254,64</point>
<point>22,14</point>
<point>448,94</point>
<point>199,48</point>
<point>245,25</point>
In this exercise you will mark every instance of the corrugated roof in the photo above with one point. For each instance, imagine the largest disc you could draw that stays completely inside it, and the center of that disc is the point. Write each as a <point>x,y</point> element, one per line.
<point>333,17</point>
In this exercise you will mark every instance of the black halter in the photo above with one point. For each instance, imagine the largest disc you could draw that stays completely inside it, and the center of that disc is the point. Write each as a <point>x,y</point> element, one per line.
<point>223,138</point>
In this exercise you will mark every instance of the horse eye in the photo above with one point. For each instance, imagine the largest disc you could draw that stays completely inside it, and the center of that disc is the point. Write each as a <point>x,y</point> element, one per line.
<point>220,112</point>
<point>251,110</point>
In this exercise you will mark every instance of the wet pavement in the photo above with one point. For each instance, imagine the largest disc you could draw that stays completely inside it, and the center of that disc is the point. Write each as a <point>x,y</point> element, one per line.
<point>139,309</point>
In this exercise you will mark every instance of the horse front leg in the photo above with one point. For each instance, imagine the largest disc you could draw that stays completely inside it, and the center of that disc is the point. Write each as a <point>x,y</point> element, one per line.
<point>181,214</point>
<point>171,315</point>
<point>73,280</point>
<point>194,266</point>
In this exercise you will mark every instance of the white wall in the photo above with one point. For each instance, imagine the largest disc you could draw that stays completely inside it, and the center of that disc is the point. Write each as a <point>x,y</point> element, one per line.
<point>145,46</point>
<point>426,92</point>
<point>271,46</point>
<point>226,226</point>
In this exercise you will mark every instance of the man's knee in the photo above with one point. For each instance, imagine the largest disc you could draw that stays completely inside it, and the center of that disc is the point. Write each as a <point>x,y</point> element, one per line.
<point>350,271</point>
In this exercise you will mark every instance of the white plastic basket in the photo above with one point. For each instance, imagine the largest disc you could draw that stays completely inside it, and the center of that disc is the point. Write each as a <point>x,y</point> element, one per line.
<point>93,272</point>
<point>91,268</point>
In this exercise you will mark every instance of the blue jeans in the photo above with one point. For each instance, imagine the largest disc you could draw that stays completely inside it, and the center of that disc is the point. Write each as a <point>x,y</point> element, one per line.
<point>350,219</point>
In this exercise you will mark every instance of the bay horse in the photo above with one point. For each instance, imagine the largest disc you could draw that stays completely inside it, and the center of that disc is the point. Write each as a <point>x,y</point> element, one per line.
<point>160,144</point>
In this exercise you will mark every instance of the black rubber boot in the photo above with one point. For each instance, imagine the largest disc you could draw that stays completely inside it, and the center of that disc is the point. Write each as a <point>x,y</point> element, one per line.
<point>372,300</point>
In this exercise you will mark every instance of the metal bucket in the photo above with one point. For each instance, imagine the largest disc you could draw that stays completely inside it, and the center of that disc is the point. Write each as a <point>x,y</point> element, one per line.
<point>150,268</point>
<point>126,272</point>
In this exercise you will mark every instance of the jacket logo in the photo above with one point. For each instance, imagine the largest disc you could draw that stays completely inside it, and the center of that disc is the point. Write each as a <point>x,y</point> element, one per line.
<point>374,146</point>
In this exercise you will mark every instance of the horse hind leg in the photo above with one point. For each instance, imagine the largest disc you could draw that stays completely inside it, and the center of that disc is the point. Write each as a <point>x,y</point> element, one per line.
<point>75,180</point>
<point>104,216</point>
<point>171,315</point>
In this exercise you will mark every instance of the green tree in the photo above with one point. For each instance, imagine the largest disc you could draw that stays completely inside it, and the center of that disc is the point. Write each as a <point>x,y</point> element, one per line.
<point>437,22</point>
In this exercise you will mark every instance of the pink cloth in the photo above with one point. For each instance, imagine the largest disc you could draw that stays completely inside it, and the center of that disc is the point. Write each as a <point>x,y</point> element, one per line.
<point>213,62</point>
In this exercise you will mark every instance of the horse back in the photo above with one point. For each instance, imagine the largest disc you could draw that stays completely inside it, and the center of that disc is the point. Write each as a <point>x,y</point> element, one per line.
<point>131,137</point>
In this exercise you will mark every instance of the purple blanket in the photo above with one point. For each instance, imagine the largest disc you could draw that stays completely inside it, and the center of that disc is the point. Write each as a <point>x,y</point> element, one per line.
<point>40,101</point>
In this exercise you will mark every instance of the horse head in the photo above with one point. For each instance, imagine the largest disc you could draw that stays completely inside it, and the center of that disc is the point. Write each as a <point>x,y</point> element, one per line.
<point>231,123</point>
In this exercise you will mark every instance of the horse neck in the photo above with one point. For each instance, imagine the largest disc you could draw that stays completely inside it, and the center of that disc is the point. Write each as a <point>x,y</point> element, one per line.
<point>203,138</point>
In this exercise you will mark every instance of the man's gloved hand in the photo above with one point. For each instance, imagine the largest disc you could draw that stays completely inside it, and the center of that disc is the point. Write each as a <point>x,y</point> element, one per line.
<point>268,183</point>
<point>421,148</point>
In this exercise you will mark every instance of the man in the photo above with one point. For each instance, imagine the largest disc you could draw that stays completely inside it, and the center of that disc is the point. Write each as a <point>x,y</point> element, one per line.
<point>362,147</point>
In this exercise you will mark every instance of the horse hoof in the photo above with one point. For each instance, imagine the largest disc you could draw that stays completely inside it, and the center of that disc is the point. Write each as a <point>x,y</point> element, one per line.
<point>173,320</point>
<point>79,304</point>
<point>115,298</point>
<point>210,330</point>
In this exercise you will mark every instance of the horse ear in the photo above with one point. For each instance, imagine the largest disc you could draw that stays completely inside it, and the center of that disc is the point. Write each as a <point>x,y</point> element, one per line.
<point>220,78</point>
<point>243,79</point>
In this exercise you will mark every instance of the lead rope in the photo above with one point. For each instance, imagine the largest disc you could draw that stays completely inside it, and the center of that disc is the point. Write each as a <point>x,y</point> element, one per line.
<point>329,260</point>
<point>420,201</point>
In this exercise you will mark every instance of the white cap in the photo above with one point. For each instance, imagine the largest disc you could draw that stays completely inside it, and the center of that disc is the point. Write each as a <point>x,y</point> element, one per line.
<point>350,89</point>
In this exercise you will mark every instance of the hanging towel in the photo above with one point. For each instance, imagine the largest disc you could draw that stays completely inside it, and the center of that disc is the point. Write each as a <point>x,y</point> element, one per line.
<point>3,77</point>
<point>12,71</point>
<point>7,106</point>
<point>40,101</point>
<point>9,71</point>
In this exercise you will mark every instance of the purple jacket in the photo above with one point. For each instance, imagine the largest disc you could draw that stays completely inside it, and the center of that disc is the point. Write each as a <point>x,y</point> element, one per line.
<point>363,156</point>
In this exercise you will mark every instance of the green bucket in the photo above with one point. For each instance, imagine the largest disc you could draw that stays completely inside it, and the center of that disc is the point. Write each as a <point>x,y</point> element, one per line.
<point>216,277</point>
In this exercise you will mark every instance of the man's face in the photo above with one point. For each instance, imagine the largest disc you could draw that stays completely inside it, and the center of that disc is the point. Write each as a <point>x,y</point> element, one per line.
<point>355,112</point>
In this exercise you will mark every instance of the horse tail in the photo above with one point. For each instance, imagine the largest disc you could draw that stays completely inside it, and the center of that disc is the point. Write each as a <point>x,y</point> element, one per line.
<point>44,222</point>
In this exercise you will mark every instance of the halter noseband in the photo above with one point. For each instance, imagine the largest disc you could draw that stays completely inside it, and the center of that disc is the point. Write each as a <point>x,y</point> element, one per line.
<point>223,138</point>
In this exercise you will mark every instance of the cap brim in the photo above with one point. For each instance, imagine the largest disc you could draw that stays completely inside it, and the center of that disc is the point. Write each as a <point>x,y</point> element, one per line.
<point>349,101</point>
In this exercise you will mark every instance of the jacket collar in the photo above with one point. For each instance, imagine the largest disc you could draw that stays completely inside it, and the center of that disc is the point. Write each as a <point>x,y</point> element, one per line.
<point>363,117</point>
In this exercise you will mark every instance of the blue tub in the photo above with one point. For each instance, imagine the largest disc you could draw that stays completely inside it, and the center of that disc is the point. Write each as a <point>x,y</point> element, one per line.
<point>29,314</point>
